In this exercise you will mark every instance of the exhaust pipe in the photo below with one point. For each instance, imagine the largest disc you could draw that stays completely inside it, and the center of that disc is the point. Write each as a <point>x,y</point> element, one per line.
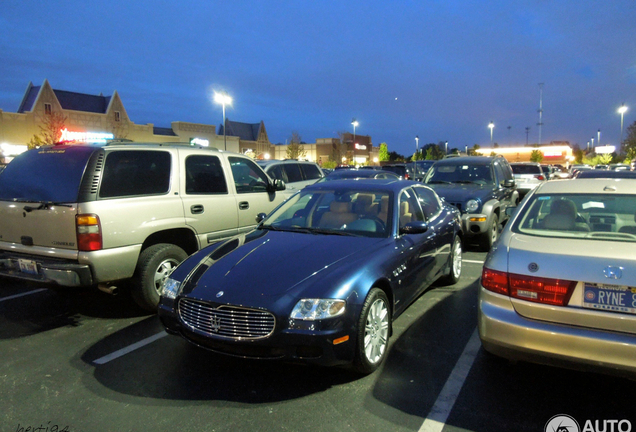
<point>108,289</point>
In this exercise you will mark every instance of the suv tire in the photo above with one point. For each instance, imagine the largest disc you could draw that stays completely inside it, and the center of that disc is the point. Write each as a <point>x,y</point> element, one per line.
<point>154,266</point>
<point>492,233</point>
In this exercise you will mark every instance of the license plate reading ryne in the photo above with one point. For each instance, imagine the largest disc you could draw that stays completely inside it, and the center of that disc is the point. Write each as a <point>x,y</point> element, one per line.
<point>615,298</point>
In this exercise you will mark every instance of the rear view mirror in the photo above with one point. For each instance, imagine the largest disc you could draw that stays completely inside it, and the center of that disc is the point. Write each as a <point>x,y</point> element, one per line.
<point>509,183</point>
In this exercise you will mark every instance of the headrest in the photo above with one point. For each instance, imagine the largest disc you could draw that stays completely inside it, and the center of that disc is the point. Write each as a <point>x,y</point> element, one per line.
<point>339,207</point>
<point>404,207</point>
<point>563,207</point>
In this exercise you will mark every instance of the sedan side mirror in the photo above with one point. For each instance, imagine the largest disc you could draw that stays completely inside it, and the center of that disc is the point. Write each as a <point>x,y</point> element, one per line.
<point>417,227</point>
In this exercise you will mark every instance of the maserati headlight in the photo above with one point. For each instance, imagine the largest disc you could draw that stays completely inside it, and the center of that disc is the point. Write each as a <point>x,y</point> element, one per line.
<point>170,288</point>
<point>316,309</point>
<point>472,206</point>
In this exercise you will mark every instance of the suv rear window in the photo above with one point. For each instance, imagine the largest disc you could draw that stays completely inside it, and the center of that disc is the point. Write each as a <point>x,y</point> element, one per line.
<point>135,172</point>
<point>526,169</point>
<point>48,174</point>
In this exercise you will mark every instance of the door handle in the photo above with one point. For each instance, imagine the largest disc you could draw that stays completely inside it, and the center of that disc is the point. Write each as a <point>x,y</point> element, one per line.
<point>244,205</point>
<point>197,209</point>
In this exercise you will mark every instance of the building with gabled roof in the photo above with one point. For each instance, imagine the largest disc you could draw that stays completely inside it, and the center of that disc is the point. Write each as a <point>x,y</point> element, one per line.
<point>93,116</point>
<point>252,137</point>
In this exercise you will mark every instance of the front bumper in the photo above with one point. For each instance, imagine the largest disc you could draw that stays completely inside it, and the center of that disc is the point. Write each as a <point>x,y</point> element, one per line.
<point>50,271</point>
<point>505,333</point>
<point>474,224</point>
<point>292,340</point>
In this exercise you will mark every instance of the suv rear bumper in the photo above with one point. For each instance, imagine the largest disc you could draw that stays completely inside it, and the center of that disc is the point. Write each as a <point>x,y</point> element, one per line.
<point>38,269</point>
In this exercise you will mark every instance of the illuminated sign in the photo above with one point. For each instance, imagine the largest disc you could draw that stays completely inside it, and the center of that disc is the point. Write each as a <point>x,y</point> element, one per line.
<point>360,146</point>
<point>94,137</point>
<point>199,141</point>
<point>605,149</point>
<point>552,153</point>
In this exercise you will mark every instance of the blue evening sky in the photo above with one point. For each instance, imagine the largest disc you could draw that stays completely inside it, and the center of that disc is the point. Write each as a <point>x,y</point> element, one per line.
<point>441,70</point>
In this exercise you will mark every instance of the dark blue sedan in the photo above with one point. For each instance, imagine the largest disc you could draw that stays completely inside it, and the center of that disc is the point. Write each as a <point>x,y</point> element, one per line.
<point>322,278</point>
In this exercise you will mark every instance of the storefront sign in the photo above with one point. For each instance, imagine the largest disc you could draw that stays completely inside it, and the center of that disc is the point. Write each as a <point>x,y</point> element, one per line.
<point>93,137</point>
<point>199,141</point>
<point>360,146</point>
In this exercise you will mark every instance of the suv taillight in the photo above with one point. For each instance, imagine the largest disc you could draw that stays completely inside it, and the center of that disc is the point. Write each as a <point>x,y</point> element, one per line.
<point>531,288</point>
<point>539,177</point>
<point>89,232</point>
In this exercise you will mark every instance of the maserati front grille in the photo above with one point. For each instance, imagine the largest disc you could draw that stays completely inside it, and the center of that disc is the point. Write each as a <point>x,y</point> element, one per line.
<point>228,321</point>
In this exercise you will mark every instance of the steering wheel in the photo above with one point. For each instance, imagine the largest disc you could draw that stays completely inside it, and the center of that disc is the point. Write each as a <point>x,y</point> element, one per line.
<point>377,220</point>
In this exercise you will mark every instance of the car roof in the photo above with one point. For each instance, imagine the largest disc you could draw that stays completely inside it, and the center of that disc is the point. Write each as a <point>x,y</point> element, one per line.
<point>588,185</point>
<point>269,162</point>
<point>353,173</point>
<point>606,174</point>
<point>468,160</point>
<point>364,184</point>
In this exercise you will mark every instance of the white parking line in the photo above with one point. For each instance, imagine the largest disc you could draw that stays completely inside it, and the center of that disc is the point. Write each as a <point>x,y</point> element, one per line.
<point>472,261</point>
<point>129,348</point>
<point>22,295</point>
<point>436,419</point>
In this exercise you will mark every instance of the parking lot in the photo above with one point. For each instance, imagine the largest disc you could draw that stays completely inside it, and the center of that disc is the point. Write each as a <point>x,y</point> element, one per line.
<point>87,361</point>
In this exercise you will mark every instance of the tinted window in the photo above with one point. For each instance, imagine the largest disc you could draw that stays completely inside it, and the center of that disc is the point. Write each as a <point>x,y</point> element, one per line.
<point>276,172</point>
<point>248,177</point>
<point>293,172</point>
<point>135,172</point>
<point>499,172</point>
<point>204,175</point>
<point>443,173</point>
<point>48,174</point>
<point>526,169</point>
<point>310,171</point>
<point>428,200</point>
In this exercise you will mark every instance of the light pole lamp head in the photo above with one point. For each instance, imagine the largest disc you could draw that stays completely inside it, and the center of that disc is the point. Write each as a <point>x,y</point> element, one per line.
<point>622,109</point>
<point>491,125</point>
<point>355,123</point>
<point>222,98</point>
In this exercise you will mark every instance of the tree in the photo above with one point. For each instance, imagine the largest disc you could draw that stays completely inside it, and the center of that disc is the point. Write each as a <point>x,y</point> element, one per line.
<point>395,157</point>
<point>384,152</point>
<point>50,126</point>
<point>339,149</point>
<point>577,153</point>
<point>536,156</point>
<point>628,146</point>
<point>433,152</point>
<point>473,150</point>
<point>295,150</point>
<point>417,156</point>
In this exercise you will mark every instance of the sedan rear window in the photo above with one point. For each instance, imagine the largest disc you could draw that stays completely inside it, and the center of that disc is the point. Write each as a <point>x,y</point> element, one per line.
<point>589,216</point>
<point>526,169</point>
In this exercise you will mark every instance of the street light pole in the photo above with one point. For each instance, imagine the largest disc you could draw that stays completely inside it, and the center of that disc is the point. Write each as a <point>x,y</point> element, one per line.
<point>417,150</point>
<point>527,132</point>
<point>491,126</point>
<point>445,148</point>
<point>223,99</point>
<point>355,123</point>
<point>621,111</point>
<point>598,134</point>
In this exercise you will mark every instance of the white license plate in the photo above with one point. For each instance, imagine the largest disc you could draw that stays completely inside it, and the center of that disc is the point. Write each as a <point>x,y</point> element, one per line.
<point>28,266</point>
<point>614,298</point>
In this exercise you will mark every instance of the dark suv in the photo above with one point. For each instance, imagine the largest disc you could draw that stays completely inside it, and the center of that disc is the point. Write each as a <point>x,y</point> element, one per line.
<point>481,188</point>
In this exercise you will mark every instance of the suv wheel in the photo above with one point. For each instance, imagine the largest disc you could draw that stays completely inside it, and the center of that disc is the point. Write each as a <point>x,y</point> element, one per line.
<point>491,234</point>
<point>154,266</point>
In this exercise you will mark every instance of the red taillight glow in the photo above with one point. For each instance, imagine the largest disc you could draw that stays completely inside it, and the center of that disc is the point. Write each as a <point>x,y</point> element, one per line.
<point>89,232</point>
<point>495,281</point>
<point>540,177</point>
<point>531,288</point>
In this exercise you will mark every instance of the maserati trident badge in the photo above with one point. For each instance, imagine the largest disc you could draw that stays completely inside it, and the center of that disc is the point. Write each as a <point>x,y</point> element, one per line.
<point>215,323</point>
<point>219,294</point>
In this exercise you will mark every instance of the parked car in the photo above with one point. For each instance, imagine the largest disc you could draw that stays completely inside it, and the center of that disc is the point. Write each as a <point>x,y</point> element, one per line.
<point>548,171</point>
<point>560,288</point>
<point>481,188</point>
<point>295,174</point>
<point>87,215</point>
<point>619,167</point>
<point>606,174</point>
<point>399,169</point>
<point>601,167</point>
<point>359,174</point>
<point>417,170</point>
<point>560,173</point>
<point>355,255</point>
<point>528,175</point>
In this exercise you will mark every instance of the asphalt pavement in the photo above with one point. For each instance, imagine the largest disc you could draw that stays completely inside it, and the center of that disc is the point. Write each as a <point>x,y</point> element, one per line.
<point>88,361</point>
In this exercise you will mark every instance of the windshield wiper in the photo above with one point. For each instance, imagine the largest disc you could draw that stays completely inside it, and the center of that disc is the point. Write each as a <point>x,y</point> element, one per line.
<point>439,181</point>
<point>463,181</point>
<point>44,205</point>
<point>330,232</point>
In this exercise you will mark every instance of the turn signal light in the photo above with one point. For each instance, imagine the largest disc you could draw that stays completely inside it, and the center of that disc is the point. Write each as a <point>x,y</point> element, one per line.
<point>531,288</point>
<point>89,232</point>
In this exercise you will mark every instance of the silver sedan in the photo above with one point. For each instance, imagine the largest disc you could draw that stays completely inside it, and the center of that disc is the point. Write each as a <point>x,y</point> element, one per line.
<point>559,287</point>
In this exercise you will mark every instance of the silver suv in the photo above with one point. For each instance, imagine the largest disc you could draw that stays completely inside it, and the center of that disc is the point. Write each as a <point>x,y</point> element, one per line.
<point>83,215</point>
<point>528,175</point>
<point>295,174</point>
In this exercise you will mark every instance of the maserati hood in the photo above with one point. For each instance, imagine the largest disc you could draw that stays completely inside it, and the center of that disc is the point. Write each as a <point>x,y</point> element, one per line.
<point>270,264</point>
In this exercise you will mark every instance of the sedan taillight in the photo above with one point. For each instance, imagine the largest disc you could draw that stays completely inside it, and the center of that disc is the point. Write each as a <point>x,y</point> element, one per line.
<point>539,177</point>
<point>531,288</point>
<point>89,232</point>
